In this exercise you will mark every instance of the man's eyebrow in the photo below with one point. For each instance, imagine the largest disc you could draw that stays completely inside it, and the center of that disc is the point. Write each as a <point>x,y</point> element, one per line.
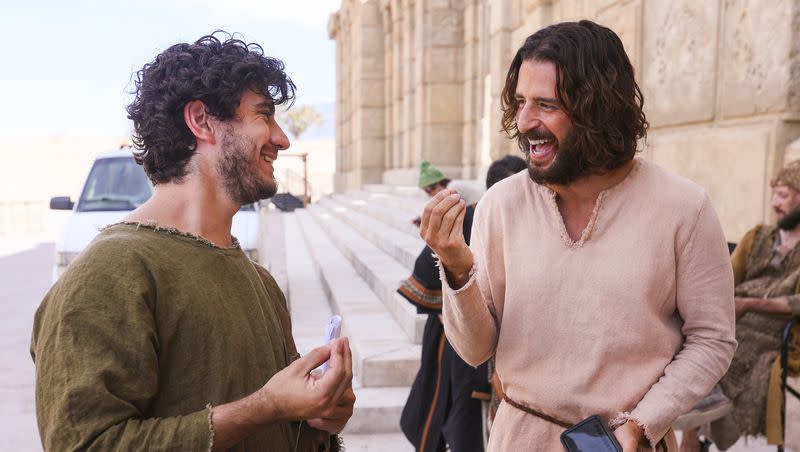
<point>548,100</point>
<point>265,105</point>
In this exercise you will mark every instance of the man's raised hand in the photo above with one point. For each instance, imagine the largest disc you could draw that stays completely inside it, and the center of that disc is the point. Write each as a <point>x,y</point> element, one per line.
<point>295,393</point>
<point>442,229</point>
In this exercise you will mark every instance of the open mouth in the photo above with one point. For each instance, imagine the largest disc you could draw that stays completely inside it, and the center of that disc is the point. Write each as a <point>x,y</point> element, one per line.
<point>268,158</point>
<point>541,147</point>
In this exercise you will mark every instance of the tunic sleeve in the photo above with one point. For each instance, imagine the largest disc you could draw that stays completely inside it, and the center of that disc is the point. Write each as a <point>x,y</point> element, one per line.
<point>469,314</point>
<point>96,353</point>
<point>705,303</point>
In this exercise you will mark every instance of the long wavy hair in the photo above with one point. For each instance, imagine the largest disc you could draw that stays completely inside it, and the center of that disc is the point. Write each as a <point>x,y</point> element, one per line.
<point>595,85</point>
<point>212,71</point>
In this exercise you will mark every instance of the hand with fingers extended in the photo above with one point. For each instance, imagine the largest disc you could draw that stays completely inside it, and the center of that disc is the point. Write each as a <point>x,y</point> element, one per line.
<point>298,393</point>
<point>442,229</point>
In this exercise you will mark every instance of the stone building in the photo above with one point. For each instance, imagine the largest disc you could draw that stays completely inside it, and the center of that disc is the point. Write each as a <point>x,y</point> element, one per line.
<point>421,79</point>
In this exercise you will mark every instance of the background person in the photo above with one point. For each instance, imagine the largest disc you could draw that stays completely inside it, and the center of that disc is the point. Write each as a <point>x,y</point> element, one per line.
<point>766,269</point>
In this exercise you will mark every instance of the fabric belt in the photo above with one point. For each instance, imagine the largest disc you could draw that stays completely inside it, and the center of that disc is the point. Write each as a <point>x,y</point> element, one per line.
<point>537,413</point>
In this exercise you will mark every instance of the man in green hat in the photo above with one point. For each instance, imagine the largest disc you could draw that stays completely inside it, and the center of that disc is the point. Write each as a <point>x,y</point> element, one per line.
<point>431,180</point>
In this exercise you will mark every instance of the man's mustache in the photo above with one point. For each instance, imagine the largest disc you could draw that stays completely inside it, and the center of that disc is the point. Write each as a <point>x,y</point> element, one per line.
<point>791,220</point>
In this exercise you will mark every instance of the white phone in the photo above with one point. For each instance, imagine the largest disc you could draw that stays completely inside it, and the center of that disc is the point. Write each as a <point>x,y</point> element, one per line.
<point>332,331</point>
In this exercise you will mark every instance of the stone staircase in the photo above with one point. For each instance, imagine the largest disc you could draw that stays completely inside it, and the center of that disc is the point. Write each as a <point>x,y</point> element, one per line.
<point>347,254</point>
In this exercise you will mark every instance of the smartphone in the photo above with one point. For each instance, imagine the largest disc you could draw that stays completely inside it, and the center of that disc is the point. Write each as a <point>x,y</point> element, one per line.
<point>590,435</point>
<point>332,331</point>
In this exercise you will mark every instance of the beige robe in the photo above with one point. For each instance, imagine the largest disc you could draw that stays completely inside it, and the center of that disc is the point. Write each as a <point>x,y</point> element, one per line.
<point>633,321</point>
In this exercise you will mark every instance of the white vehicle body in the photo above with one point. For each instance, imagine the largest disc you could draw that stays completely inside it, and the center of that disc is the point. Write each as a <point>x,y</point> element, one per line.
<point>126,187</point>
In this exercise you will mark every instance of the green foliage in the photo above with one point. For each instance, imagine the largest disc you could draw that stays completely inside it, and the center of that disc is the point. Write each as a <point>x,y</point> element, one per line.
<point>297,120</point>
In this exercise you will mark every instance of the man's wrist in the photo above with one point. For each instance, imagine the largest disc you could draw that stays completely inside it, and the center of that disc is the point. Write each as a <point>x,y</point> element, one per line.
<point>457,275</point>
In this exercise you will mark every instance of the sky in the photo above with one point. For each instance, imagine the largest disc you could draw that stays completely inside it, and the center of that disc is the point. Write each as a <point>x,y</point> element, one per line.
<point>67,66</point>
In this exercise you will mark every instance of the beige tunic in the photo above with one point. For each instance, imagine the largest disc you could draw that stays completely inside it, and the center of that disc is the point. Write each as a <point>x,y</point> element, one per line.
<point>634,320</point>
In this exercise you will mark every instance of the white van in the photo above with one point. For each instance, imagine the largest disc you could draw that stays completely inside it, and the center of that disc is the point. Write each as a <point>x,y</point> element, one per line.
<point>116,185</point>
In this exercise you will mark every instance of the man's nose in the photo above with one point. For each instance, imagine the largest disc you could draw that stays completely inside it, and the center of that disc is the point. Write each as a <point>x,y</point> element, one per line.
<point>527,119</point>
<point>278,137</point>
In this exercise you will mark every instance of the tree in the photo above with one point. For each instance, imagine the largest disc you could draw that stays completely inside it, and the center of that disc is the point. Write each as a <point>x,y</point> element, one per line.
<point>298,120</point>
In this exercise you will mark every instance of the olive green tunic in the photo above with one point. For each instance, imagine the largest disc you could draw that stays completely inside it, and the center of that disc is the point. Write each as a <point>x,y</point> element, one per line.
<point>145,330</point>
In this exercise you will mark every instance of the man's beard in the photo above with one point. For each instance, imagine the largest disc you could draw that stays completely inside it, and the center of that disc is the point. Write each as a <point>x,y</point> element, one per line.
<point>240,175</point>
<point>791,220</point>
<point>568,165</point>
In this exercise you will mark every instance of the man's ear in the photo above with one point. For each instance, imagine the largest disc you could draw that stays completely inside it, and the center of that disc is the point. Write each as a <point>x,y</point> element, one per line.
<point>199,121</point>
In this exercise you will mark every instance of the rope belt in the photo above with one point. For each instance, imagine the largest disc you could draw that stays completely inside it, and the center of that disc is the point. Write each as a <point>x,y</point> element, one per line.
<point>537,413</point>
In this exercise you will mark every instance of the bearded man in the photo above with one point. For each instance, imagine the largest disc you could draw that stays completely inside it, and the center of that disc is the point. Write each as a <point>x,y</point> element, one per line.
<point>766,269</point>
<point>601,282</point>
<point>162,334</point>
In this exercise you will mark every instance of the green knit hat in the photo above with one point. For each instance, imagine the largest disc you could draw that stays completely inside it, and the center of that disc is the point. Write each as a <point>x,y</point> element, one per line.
<point>429,174</point>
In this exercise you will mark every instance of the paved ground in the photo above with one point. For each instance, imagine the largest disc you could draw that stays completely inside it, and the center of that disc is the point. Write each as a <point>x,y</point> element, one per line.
<point>25,278</point>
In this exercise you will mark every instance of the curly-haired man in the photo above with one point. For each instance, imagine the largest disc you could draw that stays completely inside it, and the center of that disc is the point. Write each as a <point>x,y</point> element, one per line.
<point>162,334</point>
<point>601,282</point>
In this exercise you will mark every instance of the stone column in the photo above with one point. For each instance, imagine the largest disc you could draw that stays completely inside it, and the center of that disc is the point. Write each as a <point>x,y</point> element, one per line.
<point>368,93</point>
<point>439,76</point>
<point>502,21</point>
<point>471,133</point>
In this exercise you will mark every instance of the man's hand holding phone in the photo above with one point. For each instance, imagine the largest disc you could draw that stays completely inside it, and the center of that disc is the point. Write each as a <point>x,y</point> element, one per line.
<point>324,399</point>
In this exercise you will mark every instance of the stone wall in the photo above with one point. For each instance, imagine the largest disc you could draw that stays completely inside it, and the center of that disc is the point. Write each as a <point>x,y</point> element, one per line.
<point>421,79</point>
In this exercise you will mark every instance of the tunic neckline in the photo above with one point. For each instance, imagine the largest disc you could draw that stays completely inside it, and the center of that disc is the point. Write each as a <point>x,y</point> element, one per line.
<point>549,196</point>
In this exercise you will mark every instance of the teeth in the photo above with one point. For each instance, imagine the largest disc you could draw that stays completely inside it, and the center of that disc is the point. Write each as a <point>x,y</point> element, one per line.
<point>535,142</point>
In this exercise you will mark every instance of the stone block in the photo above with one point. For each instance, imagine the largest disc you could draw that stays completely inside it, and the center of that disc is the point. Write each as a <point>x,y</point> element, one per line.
<point>444,27</point>
<point>438,4</point>
<point>444,103</point>
<point>500,55</point>
<point>758,46</point>
<point>624,20</point>
<point>371,150</point>
<point>679,60</point>
<point>470,23</point>
<point>443,64</point>
<point>371,66</point>
<point>371,122</point>
<point>370,93</point>
<point>502,16</point>
<point>571,10</point>
<point>442,144</point>
<point>733,174</point>
<point>369,12</point>
<point>371,42</point>
<point>602,5</point>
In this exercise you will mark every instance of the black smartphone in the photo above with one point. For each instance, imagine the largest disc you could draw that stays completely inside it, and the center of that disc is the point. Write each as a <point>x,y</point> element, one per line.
<point>590,435</point>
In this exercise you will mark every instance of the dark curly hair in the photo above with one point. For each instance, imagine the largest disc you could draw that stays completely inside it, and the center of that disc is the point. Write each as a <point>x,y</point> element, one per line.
<point>212,71</point>
<point>595,85</point>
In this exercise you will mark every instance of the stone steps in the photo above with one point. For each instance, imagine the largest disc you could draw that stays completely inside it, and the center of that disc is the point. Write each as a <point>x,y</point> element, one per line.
<point>380,207</point>
<point>378,270</point>
<point>410,199</point>
<point>384,360</point>
<point>382,353</point>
